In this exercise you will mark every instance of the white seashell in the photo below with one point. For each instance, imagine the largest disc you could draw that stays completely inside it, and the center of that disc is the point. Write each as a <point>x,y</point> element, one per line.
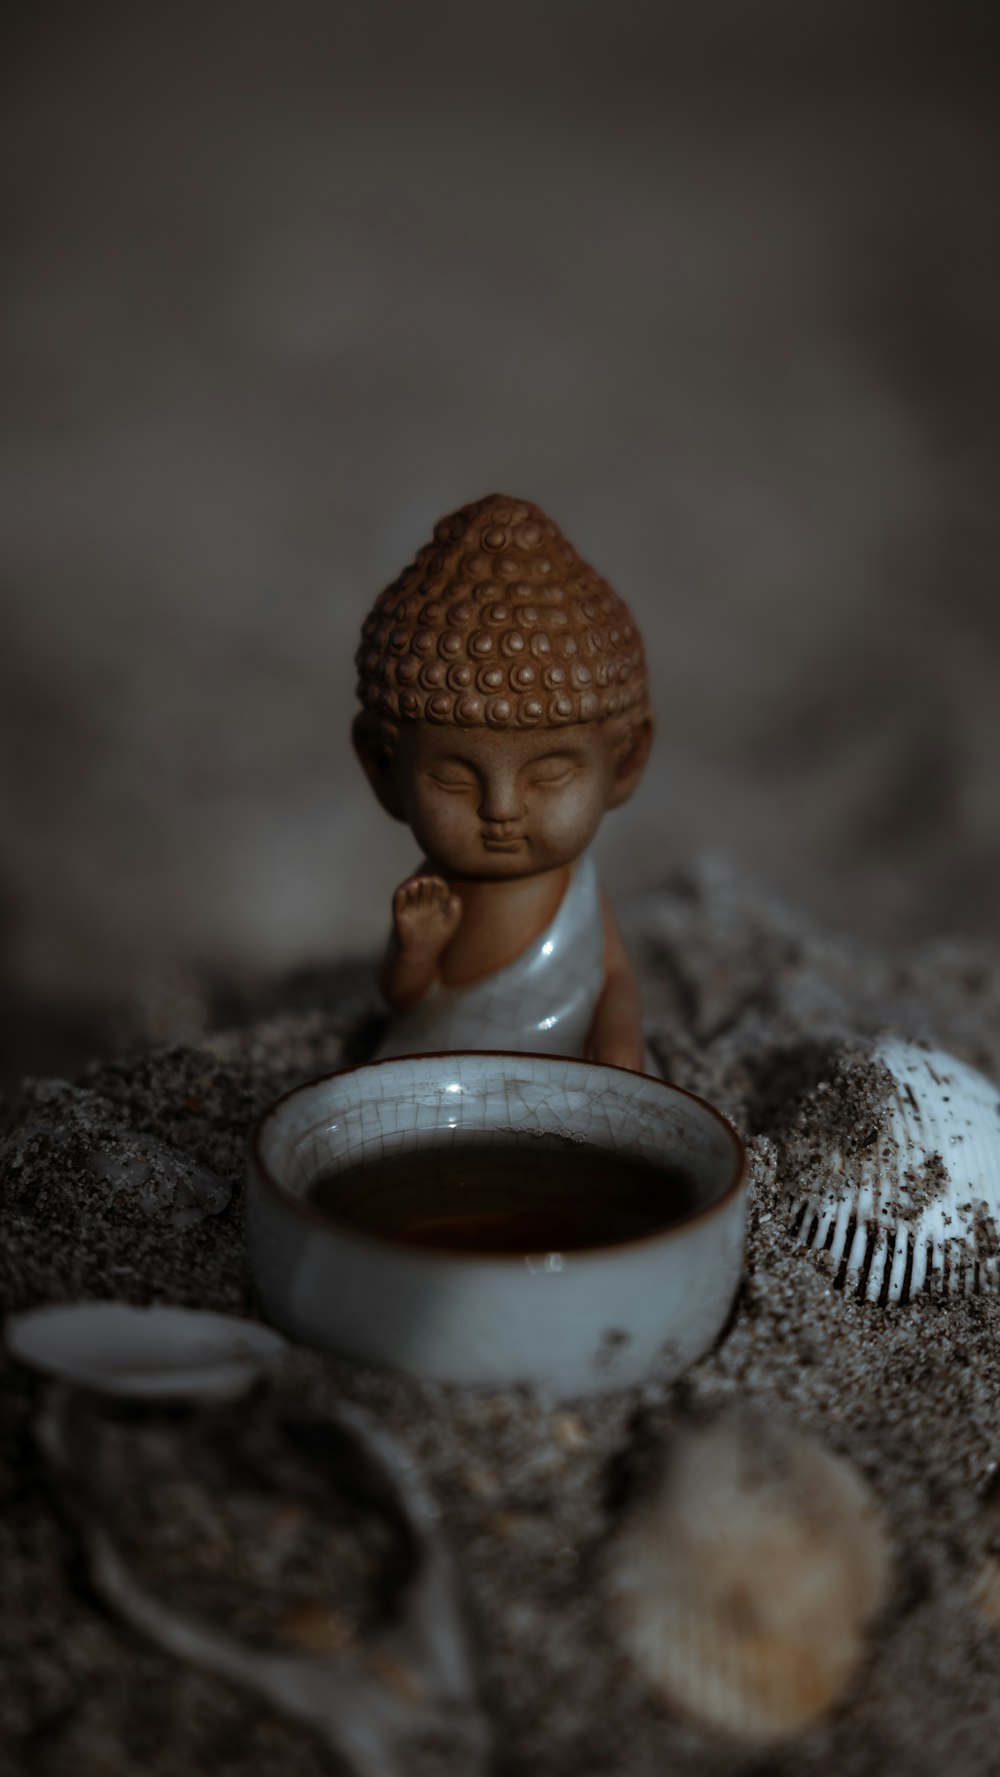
<point>919,1208</point>
<point>148,1353</point>
<point>367,1704</point>
<point>744,1581</point>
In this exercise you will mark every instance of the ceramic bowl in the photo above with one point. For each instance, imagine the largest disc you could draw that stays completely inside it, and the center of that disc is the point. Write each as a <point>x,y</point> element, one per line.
<point>577,1322</point>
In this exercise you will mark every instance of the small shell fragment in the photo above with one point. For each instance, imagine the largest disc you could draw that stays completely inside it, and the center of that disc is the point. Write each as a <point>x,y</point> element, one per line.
<point>745,1579</point>
<point>911,1204</point>
<point>146,1353</point>
<point>160,1180</point>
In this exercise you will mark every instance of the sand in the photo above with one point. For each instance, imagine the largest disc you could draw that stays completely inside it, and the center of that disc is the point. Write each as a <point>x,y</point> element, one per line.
<point>749,1003</point>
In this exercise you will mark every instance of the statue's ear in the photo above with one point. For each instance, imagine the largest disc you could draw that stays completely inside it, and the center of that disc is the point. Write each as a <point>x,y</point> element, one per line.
<point>631,763</point>
<point>379,765</point>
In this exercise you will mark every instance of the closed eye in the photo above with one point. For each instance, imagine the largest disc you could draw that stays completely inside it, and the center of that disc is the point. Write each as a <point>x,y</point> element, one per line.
<point>551,779</point>
<point>452,783</point>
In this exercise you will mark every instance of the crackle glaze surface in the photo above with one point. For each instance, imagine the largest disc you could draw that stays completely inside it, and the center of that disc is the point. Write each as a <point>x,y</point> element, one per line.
<point>577,1322</point>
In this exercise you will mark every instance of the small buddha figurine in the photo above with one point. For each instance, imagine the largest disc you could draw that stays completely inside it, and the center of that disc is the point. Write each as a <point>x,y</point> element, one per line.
<point>505,711</point>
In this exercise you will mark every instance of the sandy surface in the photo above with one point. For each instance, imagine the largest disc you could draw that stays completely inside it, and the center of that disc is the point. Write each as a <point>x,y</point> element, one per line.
<point>746,999</point>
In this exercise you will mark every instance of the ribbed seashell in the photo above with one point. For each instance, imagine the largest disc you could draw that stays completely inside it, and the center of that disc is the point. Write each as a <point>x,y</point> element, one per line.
<point>155,1353</point>
<point>744,1580</point>
<point>918,1208</point>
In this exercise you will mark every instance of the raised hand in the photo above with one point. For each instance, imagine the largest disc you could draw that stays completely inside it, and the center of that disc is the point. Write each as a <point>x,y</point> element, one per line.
<point>425,916</point>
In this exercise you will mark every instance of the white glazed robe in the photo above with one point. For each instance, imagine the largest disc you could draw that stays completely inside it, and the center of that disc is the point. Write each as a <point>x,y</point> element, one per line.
<point>544,1001</point>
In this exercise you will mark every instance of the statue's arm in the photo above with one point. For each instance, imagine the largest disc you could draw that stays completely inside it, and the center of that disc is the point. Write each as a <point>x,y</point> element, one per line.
<point>616,1033</point>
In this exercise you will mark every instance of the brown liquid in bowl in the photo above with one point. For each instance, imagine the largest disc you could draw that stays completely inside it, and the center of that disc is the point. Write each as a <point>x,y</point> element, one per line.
<point>512,1195</point>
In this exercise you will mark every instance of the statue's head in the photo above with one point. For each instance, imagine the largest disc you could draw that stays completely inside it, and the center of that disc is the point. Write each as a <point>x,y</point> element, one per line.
<point>504,697</point>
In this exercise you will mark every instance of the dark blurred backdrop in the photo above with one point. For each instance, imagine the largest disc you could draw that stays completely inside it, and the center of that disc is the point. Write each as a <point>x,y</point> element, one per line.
<point>717,284</point>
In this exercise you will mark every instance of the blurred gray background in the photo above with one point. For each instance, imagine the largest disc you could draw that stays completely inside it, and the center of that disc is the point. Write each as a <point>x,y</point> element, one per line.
<point>717,284</point>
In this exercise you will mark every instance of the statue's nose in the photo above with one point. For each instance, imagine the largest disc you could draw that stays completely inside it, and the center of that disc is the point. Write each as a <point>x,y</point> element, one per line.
<point>499,806</point>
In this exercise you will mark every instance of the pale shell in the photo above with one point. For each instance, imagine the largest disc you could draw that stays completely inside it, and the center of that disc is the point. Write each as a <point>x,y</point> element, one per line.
<point>918,1210</point>
<point>157,1353</point>
<point>744,1582</point>
<point>369,1704</point>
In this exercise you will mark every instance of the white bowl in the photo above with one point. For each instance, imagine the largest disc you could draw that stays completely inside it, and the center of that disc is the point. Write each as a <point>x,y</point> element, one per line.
<point>578,1322</point>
